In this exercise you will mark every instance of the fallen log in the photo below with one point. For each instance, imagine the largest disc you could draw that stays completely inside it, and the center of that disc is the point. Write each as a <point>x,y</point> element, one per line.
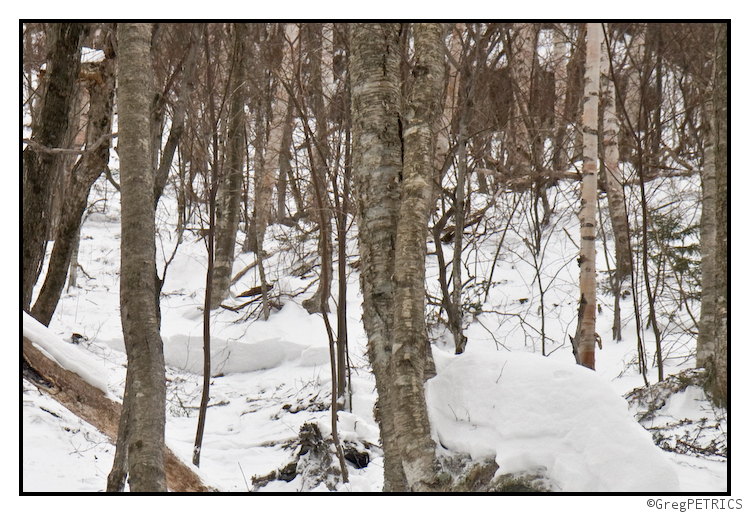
<point>90,404</point>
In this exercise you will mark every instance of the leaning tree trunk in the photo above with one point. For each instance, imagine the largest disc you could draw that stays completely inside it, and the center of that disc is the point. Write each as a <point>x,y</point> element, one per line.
<point>719,370</point>
<point>39,166</point>
<point>99,79</point>
<point>410,343</point>
<point>614,185</point>
<point>590,124</point>
<point>230,189</point>
<point>145,442</point>
<point>376,166</point>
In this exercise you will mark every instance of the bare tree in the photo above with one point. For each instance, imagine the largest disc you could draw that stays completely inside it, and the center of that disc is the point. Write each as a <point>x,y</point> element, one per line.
<point>146,382</point>
<point>586,341</point>
<point>376,166</point>
<point>99,79</point>
<point>718,376</point>
<point>614,185</point>
<point>39,164</point>
<point>230,185</point>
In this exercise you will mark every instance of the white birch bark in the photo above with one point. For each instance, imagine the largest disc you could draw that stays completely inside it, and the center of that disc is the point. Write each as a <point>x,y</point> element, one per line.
<point>588,195</point>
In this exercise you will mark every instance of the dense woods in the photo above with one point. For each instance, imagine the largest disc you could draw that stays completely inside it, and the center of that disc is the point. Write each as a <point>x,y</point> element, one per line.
<point>387,146</point>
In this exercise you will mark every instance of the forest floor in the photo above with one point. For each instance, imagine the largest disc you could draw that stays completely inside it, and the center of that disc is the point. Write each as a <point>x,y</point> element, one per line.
<point>271,385</point>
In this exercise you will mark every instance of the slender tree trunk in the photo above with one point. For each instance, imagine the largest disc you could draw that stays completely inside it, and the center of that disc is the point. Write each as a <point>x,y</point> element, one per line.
<point>376,166</point>
<point>522,69</point>
<point>272,151</point>
<point>213,188</point>
<point>707,324</point>
<point>73,268</point>
<point>145,441</point>
<point>614,187</point>
<point>230,189</point>
<point>321,59</point>
<point>719,370</point>
<point>559,69</point>
<point>100,82</point>
<point>63,65</point>
<point>458,240</point>
<point>590,124</point>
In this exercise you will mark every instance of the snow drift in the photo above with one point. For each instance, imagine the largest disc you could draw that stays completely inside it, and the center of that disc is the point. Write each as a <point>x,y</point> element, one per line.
<point>537,415</point>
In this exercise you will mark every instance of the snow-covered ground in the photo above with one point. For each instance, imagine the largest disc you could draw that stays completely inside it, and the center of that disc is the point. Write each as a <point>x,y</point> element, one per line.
<point>499,399</point>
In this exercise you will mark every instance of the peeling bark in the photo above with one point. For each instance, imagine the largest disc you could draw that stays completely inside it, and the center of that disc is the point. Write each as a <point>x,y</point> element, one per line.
<point>376,166</point>
<point>410,345</point>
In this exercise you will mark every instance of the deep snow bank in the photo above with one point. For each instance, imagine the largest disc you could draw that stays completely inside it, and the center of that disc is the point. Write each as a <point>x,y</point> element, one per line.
<point>535,414</point>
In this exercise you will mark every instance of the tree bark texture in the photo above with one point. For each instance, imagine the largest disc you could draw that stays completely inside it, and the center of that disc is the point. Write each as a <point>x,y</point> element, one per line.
<point>63,65</point>
<point>93,406</point>
<point>410,343</point>
<point>719,372</point>
<point>100,82</point>
<point>589,194</point>
<point>613,177</point>
<point>230,189</point>
<point>707,324</point>
<point>376,166</point>
<point>145,443</point>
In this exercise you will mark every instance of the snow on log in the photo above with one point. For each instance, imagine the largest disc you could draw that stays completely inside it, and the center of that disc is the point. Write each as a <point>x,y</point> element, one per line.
<point>66,355</point>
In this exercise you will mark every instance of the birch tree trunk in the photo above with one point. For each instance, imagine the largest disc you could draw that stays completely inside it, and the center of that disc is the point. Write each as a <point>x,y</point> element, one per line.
<point>145,442</point>
<point>230,189</point>
<point>614,186</point>
<point>376,166</point>
<point>588,195</point>
<point>63,65</point>
<point>410,344</point>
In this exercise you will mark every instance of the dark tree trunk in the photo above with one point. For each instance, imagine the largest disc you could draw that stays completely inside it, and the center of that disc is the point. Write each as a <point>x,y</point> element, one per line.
<point>100,83</point>
<point>63,65</point>
<point>719,369</point>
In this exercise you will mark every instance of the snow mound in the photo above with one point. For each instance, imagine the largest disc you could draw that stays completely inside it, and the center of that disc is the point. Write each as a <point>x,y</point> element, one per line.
<point>535,414</point>
<point>67,355</point>
<point>233,356</point>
